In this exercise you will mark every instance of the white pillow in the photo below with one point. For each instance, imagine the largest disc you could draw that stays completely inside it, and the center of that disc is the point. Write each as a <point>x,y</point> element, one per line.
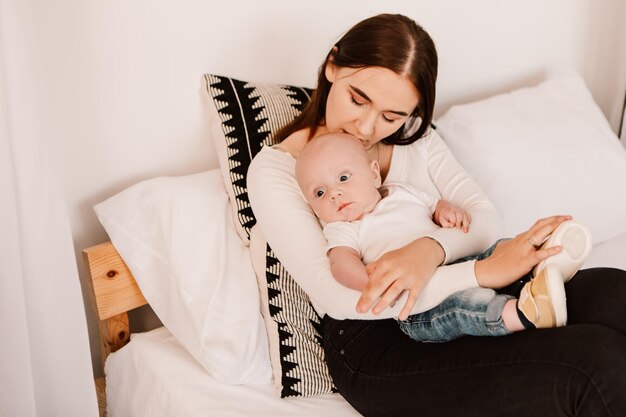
<point>177,237</point>
<point>540,151</point>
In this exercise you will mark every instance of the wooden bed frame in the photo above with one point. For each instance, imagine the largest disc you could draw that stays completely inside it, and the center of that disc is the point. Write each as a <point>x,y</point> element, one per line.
<point>114,292</point>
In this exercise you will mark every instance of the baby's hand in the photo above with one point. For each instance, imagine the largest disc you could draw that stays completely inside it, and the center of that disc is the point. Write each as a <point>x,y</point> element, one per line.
<point>449,215</point>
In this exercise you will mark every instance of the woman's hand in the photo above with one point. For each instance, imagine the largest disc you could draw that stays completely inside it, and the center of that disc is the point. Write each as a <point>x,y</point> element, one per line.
<point>513,258</point>
<point>408,268</point>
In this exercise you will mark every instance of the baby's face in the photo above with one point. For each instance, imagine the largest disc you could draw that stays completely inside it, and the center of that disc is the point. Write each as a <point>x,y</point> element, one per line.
<point>339,181</point>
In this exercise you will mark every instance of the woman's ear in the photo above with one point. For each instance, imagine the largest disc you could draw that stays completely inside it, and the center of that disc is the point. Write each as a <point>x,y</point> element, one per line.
<point>375,167</point>
<point>331,68</point>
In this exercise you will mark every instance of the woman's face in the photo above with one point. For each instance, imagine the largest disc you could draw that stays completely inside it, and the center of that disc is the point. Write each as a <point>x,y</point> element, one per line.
<point>370,103</point>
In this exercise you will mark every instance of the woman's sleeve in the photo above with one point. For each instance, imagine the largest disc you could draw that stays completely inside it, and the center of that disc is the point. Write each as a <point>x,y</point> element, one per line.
<point>295,235</point>
<point>456,186</point>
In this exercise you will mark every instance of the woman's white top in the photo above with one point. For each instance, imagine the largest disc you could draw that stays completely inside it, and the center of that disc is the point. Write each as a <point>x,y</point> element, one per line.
<point>295,234</point>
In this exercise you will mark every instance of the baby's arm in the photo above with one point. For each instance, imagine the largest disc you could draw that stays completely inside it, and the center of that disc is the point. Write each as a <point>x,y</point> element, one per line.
<point>344,254</point>
<point>347,267</point>
<point>450,215</point>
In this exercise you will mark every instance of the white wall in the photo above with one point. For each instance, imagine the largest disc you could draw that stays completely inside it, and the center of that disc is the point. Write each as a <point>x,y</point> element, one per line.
<point>124,77</point>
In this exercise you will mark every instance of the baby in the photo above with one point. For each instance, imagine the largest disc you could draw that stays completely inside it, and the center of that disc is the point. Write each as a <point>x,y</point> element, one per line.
<point>363,221</point>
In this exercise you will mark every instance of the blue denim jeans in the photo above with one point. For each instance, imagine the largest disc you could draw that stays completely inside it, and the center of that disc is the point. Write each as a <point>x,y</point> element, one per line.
<point>472,312</point>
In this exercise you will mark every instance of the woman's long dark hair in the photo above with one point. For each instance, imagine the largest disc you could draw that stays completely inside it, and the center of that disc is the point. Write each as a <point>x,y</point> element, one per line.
<point>390,41</point>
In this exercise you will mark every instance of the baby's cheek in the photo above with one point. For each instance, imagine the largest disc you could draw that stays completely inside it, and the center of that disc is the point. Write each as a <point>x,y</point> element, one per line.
<point>326,215</point>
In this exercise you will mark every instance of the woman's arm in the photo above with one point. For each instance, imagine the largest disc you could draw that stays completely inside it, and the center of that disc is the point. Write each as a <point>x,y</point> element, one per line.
<point>294,233</point>
<point>515,257</point>
<point>510,260</point>
<point>408,269</point>
<point>455,185</point>
<point>430,166</point>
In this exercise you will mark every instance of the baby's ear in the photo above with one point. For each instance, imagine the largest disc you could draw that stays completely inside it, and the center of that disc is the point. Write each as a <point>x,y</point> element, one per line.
<point>376,171</point>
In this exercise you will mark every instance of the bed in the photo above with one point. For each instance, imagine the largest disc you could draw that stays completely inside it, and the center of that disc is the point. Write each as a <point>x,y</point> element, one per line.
<point>211,358</point>
<point>155,376</point>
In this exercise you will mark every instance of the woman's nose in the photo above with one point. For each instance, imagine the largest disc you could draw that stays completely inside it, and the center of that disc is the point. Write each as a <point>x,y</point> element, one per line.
<point>365,124</point>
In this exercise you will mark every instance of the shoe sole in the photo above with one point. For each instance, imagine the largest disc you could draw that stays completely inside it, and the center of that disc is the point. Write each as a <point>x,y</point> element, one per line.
<point>556,292</point>
<point>575,238</point>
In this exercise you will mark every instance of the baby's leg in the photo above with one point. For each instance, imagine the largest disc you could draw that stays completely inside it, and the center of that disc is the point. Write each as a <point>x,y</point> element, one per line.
<point>542,302</point>
<point>475,312</point>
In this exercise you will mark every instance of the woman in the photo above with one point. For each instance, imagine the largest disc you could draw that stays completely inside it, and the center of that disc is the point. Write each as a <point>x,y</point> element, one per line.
<point>378,84</point>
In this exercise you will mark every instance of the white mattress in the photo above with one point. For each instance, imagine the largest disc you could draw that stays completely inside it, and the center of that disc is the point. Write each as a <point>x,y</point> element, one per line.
<point>154,376</point>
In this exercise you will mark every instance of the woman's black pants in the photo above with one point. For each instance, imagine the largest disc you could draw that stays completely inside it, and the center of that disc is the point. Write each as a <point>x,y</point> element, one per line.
<point>577,370</point>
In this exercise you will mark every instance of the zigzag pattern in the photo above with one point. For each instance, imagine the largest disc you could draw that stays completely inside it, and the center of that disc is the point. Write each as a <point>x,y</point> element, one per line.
<point>304,370</point>
<point>251,115</point>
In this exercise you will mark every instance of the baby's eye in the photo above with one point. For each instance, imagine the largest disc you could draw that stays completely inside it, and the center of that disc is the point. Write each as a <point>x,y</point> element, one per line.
<point>319,193</point>
<point>344,177</point>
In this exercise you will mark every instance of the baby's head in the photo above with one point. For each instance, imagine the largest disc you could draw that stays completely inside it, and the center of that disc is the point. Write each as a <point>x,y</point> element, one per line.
<point>338,178</point>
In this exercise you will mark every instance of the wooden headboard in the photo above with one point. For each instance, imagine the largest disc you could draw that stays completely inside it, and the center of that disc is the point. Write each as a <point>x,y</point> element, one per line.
<point>114,292</point>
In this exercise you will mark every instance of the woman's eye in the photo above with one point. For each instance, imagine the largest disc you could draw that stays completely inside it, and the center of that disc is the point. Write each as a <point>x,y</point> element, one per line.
<point>344,177</point>
<point>319,193</point>
<point>355,101</point>
<point>388,120</point>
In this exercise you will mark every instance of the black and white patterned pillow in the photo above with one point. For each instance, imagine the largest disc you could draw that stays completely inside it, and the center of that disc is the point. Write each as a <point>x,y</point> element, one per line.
<point>244,118</point>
